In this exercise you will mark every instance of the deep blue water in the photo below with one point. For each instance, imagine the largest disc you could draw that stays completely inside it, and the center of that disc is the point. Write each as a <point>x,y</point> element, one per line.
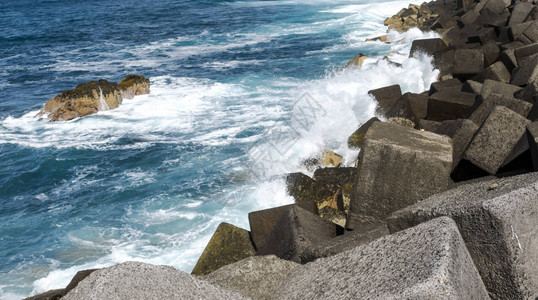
<point>151,180</point>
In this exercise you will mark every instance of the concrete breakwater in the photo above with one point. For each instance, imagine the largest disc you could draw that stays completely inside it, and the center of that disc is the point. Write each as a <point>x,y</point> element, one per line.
<point>443,206</point>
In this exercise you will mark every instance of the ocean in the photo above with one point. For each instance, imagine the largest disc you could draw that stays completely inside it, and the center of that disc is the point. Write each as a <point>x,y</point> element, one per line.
<point>241,93</point>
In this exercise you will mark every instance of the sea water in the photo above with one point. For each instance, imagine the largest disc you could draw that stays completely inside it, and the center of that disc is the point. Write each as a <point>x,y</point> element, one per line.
<point>241,93</point>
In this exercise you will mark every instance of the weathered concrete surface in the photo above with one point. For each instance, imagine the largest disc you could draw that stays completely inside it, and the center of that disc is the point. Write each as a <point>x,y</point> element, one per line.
<point>467,63</point>
<point>136,280</point>
<point>386,97</point>
<point>356,139</point>
<point>532,135</point>
<point>296,235</point>
<point>262,223</point>
<point>258,277</point>
<point>495,139</point>
<point>429,261</point>
<point>461,132</point>
<point>398,166</point>
<point>498,220</point>
<point>491,100</point>
<point>410,106</point>
<point>310,194</point>
<point>496,87</point>
<point>227,245</point>
<point>450,105</point>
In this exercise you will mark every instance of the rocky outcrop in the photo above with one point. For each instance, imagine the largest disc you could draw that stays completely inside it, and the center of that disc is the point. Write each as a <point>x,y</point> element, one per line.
<point>134,85</point>
<point>91,97</point>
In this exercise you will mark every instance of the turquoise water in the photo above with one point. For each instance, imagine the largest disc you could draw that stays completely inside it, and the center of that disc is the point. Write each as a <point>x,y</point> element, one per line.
<point>242,91</point>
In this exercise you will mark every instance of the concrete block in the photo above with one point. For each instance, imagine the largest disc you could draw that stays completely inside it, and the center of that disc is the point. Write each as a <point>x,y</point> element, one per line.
<point>258,277</point>
<point>262,223</point>
<point>386,97</point>
<point>356,139</point>
<point>429,261</point>
<point>461,132</point>
<point>140,281</point>
<point>227,245</point>
<point>467,63</point>
<point>410,106</point>
<point>451,84</point>
<point>450,105</point>
<point>498,222</point>
<point>428,46</point>
<point>496,71</point>
<point>495,139</point>
<point>532,135</point>
<point>471,86</point>
<point>497,87</point>
<point>297,234</point>
<point>398,166</point>
<point>526,72</point>
<point>481,113</point>
<point>520,12</point>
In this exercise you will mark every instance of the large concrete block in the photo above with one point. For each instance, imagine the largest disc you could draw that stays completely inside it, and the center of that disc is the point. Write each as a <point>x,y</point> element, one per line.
<point>497,87</point>
<point>467,63</point>
<point>461,132</point>
<point>427,46</point>
<point>386,97</point>
<point>398,166</point>
<point>308,193</point>
<point>495,139</point>
<point>297,234</point>
<point>410,106</point>
<point>491,100</point>
<point>526,72</point>
<point>498,220</point>
<point>429,261</point>
<point>140,281</point>
<point>450,105</point>
<point>520,12</point>
<point>227,245</point>
<point>532,135</point>
<point>335,178</point>
<point>258,277</point>
<point>451,84</point>
<point>356,139</point>
<point>262,223</point>
<point>471,86</point>
<point>496,71</point>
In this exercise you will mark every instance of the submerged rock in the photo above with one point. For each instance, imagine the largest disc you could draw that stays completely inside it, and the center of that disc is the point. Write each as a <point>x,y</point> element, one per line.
<point>93,96</point>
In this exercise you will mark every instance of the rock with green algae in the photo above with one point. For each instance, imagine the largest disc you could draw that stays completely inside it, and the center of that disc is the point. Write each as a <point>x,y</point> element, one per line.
<point>134,85</point>
<point>93,96</point>
<point>228,244</point>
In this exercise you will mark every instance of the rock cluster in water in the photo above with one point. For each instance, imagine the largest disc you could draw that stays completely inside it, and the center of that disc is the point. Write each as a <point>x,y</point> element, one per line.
<point>442,203</point>
<point>93,96</point>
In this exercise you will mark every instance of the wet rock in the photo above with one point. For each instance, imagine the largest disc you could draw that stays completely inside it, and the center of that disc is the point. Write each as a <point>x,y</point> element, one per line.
<point>386,97</point>
<point>309,194</point>
<point>86,99</point>
<point>258,277</point>
<point>134,85</point>
<point>427,46</point>
<point>428,261</point>
<point>357,138</point>
<point>498,226</point>
<point>357,61</point>
<point>495,139</point>
<point>398,166</point>
<point>227,245</point>
<point>450,105</point>
<point>296,235</point>
<point>136,280</point>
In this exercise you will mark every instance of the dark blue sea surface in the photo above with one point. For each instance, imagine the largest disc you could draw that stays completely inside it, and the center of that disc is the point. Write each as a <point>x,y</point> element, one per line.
<point>152,179</point>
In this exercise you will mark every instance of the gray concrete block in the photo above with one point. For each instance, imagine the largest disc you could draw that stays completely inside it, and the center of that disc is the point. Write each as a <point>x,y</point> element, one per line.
<point>497,87</point>
<point>410,106</point>
<point>498,221</point>
<point>526,72</point>
<point>461,132</point>
<point>297,234</point>
<point>520,12</point>
<point>263,221</point>
<point>398,166</point>
<point>386,97</point>
<point>496,71</point>
<point>428,46</point>
<point>467,63</point>
<point>356,139</point>
<point>451,84</point>
<point>495,139</point>
<point>429,261</point>
<point>532,135</point>
<point>450,105</point>
<point>136,280</point>
<point>518,106</point>
<point>258,277</point>
<point>471,86</point>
